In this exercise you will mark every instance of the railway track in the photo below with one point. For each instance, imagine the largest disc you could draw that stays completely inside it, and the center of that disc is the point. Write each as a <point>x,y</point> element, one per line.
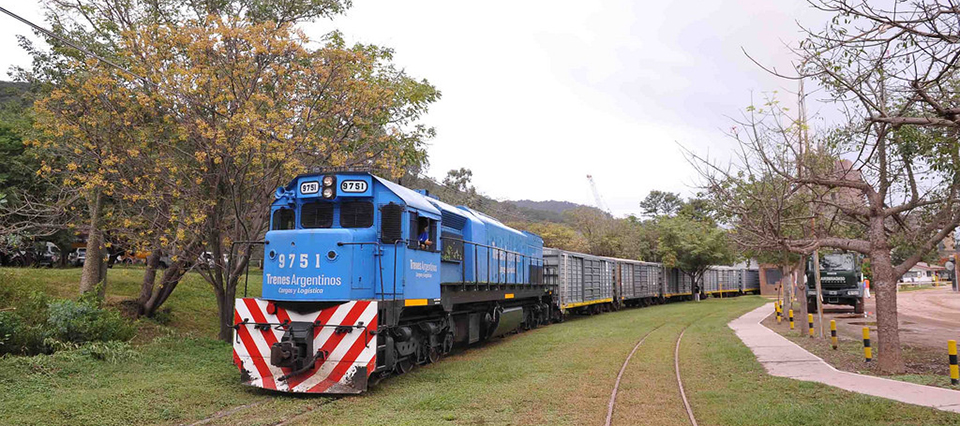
<point>226,413</point>
<point>309,409</point>
<point>616,385</point>
<point>676,365</point>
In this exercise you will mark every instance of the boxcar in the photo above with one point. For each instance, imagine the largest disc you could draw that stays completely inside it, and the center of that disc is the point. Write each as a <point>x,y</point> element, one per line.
<point>584,282</point>
<point>638,283</point>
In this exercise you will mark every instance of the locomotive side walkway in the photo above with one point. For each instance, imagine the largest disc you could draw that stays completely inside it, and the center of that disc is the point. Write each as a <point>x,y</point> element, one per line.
<point>783,358</point>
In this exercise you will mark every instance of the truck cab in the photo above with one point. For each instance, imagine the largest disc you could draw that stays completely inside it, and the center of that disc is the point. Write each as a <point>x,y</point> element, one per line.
<point>840,277</point>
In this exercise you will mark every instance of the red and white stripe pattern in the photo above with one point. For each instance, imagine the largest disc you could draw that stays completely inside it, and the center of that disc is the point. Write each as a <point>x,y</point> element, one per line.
<point>335,374</point>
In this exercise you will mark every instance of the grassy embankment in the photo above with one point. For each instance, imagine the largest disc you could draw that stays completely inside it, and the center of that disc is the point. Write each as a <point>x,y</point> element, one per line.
<point>561,374</point>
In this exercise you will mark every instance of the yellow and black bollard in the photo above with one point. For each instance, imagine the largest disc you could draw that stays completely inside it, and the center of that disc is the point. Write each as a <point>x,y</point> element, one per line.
<point>833,334</point>
<point>810,323</point>
<point>867,351</point>
<point>791,318</point>
<point>954,370</point>
<point>779,312</point>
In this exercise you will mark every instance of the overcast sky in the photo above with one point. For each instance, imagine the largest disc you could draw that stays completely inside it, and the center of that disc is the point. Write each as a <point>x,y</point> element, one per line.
<point>537,95</point>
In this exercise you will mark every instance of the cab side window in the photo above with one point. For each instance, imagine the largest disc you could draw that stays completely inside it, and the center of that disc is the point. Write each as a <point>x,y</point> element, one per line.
<point>423,233</point>
<point>284,219</point>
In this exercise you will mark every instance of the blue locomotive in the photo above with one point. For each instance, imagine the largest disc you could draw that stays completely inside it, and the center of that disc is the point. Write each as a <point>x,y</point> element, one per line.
<point>364,278</point>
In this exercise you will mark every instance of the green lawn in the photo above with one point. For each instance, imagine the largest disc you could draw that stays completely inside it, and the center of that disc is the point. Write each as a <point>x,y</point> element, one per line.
<point>561,374</point>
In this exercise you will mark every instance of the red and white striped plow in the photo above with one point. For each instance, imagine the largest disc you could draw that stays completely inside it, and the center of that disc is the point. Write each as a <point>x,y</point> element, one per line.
<point>345,337</point>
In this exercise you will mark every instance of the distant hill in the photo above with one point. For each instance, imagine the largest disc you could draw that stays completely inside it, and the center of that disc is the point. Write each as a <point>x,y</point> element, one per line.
<point>550,205</point>
<point>505,211</point>
<point>11,91</point>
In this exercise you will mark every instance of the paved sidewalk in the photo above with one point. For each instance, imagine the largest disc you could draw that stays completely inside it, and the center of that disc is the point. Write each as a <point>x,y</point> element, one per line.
<point>784,358</point>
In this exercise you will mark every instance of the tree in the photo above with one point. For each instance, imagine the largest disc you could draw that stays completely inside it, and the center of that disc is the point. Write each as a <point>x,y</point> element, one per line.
<point>661,203</point>
<point>889,179</point>
<point>219,108</point>
<point>556,235</point>
<point>596,227</point>
<point>900,195</point>
<point>459,180</point>
<point>693,246</point>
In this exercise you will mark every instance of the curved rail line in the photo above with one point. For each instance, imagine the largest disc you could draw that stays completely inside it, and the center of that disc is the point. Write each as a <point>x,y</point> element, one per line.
<point>676,364</point>
<point>616,385</point>
<point>310,408</point>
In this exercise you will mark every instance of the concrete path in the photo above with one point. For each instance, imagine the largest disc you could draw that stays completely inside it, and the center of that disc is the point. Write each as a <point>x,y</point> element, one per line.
<point>784,358</point>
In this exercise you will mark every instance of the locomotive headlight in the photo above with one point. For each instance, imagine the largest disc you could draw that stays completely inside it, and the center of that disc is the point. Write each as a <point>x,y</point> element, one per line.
<point>327,192</point>
<point>327,181</point>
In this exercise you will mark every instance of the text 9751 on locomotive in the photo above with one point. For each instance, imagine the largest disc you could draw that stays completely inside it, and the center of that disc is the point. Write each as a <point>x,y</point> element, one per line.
<point>364,278</point>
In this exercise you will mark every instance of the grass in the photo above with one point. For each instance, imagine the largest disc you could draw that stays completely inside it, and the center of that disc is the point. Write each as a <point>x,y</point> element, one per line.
<point>561,374</point>
<point>914,287</point>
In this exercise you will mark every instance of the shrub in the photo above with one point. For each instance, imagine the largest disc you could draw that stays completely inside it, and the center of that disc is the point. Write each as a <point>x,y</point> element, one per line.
<point>9,323</point>
<point>82,321</point>
<point>19,337</point>
<point>163,316</point>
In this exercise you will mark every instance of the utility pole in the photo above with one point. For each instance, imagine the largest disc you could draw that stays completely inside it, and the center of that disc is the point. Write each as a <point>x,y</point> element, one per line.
<point>805,148</point>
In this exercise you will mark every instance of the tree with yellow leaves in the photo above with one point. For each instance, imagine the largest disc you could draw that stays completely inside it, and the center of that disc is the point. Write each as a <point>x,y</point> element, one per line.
<point>213,111</point>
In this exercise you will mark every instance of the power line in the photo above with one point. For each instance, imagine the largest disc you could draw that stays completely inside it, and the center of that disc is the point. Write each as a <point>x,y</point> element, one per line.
<point>67,42</point>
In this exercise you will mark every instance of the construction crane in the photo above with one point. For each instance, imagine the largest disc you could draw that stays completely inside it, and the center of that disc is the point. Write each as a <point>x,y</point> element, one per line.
<point>596,195</point>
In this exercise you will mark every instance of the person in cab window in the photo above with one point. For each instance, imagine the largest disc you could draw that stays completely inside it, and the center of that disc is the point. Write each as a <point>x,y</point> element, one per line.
<point>424,238</point>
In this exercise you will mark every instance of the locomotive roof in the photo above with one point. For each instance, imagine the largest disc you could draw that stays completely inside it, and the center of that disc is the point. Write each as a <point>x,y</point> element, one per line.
<point>410,197</point>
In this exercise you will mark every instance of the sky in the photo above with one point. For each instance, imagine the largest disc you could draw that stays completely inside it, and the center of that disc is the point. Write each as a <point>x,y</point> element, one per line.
<point>538,94</point>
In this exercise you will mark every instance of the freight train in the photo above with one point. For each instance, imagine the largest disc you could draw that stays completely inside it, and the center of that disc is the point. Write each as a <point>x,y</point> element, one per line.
<point>364,278</point>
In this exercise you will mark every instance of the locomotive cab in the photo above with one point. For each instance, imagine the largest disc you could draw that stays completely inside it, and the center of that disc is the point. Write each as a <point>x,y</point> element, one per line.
<point>340,237</point>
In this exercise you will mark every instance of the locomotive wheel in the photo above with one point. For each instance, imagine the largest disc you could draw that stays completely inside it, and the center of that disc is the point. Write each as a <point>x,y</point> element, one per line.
<point>404,366</point>
<point>433,356</point>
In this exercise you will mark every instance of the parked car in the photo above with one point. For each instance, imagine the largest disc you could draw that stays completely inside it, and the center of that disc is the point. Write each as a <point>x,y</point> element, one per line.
<point>77,257</point>
<point>49,255</point>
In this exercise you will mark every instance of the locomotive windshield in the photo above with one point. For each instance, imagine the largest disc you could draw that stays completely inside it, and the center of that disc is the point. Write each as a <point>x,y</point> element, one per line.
<point>356,214</point>
<point>316,215</point>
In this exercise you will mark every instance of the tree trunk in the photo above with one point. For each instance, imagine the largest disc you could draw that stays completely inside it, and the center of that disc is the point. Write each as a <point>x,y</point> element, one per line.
<point>171,277</point>
<point>149,278</point>
<point>889,357</point>
<point>91,265</point>
<point>226,303</point>
<point>226,300</point>
<point>800,278</point>
<point>102,284</point>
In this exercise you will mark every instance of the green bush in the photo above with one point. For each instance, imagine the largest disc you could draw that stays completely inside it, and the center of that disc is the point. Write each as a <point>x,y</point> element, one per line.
<point>19,337</point>
<point>82,321</point>
<point>9,323</point>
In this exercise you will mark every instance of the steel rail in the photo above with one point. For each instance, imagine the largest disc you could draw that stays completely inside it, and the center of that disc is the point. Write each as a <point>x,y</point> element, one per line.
<point>616,385</point>
<point>676,364</point>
